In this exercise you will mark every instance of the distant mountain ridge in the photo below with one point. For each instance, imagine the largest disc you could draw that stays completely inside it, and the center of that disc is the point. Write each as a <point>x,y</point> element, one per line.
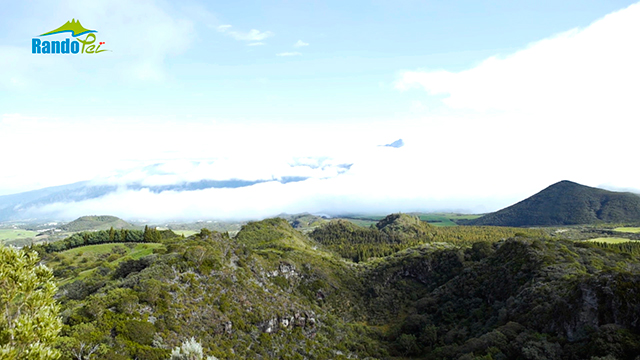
<point>567,203</point>
<point>17,206</point>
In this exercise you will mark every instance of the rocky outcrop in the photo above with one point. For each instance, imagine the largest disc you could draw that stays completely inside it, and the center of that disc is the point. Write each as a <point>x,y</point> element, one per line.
<point>305,320</point>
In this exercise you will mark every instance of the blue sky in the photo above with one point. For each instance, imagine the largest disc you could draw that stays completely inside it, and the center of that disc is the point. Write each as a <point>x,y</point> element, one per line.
<point>459,81</point>
<point>355,51</point>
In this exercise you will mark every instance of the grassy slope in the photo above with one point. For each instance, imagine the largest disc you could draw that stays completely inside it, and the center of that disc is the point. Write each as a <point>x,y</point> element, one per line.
<point>633,230</point>
<point>13,234</point>
<point>445,219</point>
<point>610,240</point>
<point>269,273</point>
<point>471,294</point>
<point>435,219</point>
<point>185,232</point>
<point>92,254</point>
<point>140,250</point>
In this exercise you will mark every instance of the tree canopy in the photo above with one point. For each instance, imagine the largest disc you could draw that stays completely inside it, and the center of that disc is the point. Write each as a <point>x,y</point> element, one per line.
<point>29,323</point>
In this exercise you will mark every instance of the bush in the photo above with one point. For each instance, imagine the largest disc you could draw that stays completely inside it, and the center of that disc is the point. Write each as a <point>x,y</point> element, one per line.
<point>137,331</point>
<point>130,266</point>
<point>189,350</point>
<point>29,323</point>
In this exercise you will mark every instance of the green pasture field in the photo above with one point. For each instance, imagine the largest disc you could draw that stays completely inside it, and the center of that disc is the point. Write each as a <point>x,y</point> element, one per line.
<point>445,219</point>
<point>90,254</point>
<point>14,234</point>
<point>186,233</point>
<point>362,222</point>
<point>628,229</point>
<point>435,219</point>
<point>140,250</point>
<point>610,240</point>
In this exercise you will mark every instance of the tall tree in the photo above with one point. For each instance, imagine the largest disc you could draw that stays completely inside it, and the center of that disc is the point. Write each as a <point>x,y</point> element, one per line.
<point>29,323</point>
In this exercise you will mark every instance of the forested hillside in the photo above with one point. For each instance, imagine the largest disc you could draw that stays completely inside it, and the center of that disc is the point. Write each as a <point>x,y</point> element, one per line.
<point>400,231</point>
<point>102,222</point>
<point>273,292</point>
<point>567,203</point>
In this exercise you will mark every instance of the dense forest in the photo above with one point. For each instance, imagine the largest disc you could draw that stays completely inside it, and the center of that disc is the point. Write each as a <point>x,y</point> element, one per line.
<point>400,289</point>
<point>400,231</point>
<point>108,236</point>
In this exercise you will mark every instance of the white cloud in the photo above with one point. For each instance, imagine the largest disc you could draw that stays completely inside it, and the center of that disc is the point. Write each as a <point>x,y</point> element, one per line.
<point>562,108</point>
<point>417,176</point>
<point>252,35</point>
<point>578,71</point>
<point>289,54</point>
<point>300,43</point>
<point>385,191</point>
<point>259,168</point>
<point>167,141</point>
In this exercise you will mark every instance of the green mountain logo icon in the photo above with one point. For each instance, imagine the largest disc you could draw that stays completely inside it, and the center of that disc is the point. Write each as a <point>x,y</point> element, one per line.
<point>73,26</point>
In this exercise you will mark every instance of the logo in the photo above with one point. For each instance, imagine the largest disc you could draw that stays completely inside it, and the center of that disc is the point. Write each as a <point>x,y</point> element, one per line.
<point>69,45</point>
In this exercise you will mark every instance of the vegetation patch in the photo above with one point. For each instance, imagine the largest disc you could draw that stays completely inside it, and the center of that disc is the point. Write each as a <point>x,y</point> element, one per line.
<point>401,231</point>
<point>610,240</point>
<point>628,229</point>
<point>446,219</point>
<point>185,233</point>
<point>14,234</point>
<point>81,262</point>
<point>102,222</point>
<point>416,291</point>
<point>435,219</point>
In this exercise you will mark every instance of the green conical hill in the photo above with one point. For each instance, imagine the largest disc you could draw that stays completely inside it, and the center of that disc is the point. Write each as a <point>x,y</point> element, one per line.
<point>567,203</point>
<point>101,222</point>
<point>404,226</point>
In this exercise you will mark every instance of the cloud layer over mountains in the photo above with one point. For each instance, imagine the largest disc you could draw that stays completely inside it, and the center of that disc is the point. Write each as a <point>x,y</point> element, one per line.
<point>224,188</point>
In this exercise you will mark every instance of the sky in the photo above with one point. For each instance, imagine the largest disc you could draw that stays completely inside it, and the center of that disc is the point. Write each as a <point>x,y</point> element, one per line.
<point>494,101</point>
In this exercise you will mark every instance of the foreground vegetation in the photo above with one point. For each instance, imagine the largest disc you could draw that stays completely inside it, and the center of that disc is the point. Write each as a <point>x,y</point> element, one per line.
<point>400,289</point>
<point>29,322</point>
